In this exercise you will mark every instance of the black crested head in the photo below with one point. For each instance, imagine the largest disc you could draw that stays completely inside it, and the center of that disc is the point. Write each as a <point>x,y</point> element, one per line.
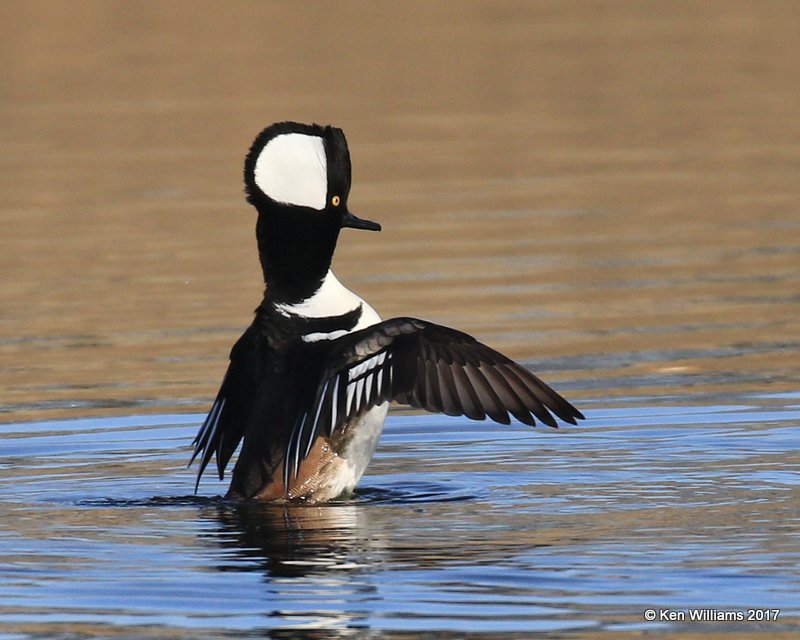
<point>297,176</point>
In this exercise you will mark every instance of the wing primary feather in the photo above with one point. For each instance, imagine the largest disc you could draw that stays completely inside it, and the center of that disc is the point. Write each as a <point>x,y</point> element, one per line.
<point>447,388</point>
<point>547,396</point>
<point>208,449</point>
<point>432,392</point>
<point>510,399</point>
<point>218,450</point>
<point>229,440</point>
<point>419,388</point>
<point>201,438</point>
<point>487,396</point>
<point>528,396</point>
<point>206,440</point>
<point>468,400</point>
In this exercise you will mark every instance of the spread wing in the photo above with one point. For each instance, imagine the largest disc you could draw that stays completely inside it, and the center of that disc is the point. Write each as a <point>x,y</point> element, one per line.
<point>225,423</point>
<point>427,366</point>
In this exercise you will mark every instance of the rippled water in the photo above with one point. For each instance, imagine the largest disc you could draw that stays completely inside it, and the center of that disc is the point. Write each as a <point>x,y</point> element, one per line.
<point>607,192</point>
<point>458,527</point>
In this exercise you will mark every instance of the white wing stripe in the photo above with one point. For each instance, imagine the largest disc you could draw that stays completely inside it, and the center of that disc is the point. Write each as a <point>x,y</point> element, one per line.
<point>368,388</point>
<point>321,335</point>
<point>368,364</point>
<point>215,424</point>
<point>356,371</point>
<point>351,388</point>
<point>334,403</point>
<point>207,433</point>
<point>314,425</point>
<point>359,390</point>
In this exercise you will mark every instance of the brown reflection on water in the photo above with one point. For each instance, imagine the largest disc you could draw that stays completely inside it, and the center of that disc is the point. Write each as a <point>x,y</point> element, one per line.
<point>606,190</point>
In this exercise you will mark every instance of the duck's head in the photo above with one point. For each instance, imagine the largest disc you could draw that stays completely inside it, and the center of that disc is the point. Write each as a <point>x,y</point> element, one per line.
<point>298,178</point>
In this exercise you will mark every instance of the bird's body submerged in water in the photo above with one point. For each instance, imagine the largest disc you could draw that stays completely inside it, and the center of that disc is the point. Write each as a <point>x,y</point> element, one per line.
<point>310,381</point>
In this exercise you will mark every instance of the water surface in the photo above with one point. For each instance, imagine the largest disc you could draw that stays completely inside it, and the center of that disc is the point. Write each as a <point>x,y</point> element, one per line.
<point>459,528</point>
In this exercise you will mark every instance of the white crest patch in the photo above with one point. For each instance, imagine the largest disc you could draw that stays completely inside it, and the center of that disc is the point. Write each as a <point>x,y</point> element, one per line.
<point>292,169</point>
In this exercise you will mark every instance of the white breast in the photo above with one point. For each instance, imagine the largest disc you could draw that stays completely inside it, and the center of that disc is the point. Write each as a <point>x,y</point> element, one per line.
<point>331,299</point>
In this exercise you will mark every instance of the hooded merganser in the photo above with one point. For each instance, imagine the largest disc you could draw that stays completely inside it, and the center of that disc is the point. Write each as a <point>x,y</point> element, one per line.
<point>310,381</point>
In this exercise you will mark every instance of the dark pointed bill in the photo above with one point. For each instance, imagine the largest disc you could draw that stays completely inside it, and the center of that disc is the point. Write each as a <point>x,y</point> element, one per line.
<point>354,222</point>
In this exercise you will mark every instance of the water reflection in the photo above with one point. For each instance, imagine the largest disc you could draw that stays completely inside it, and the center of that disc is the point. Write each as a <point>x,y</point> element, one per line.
<point>299,540</point>
<point>315,561</point>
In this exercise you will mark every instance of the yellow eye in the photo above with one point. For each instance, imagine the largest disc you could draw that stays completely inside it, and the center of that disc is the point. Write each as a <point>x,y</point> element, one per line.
<point>335,200</point>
